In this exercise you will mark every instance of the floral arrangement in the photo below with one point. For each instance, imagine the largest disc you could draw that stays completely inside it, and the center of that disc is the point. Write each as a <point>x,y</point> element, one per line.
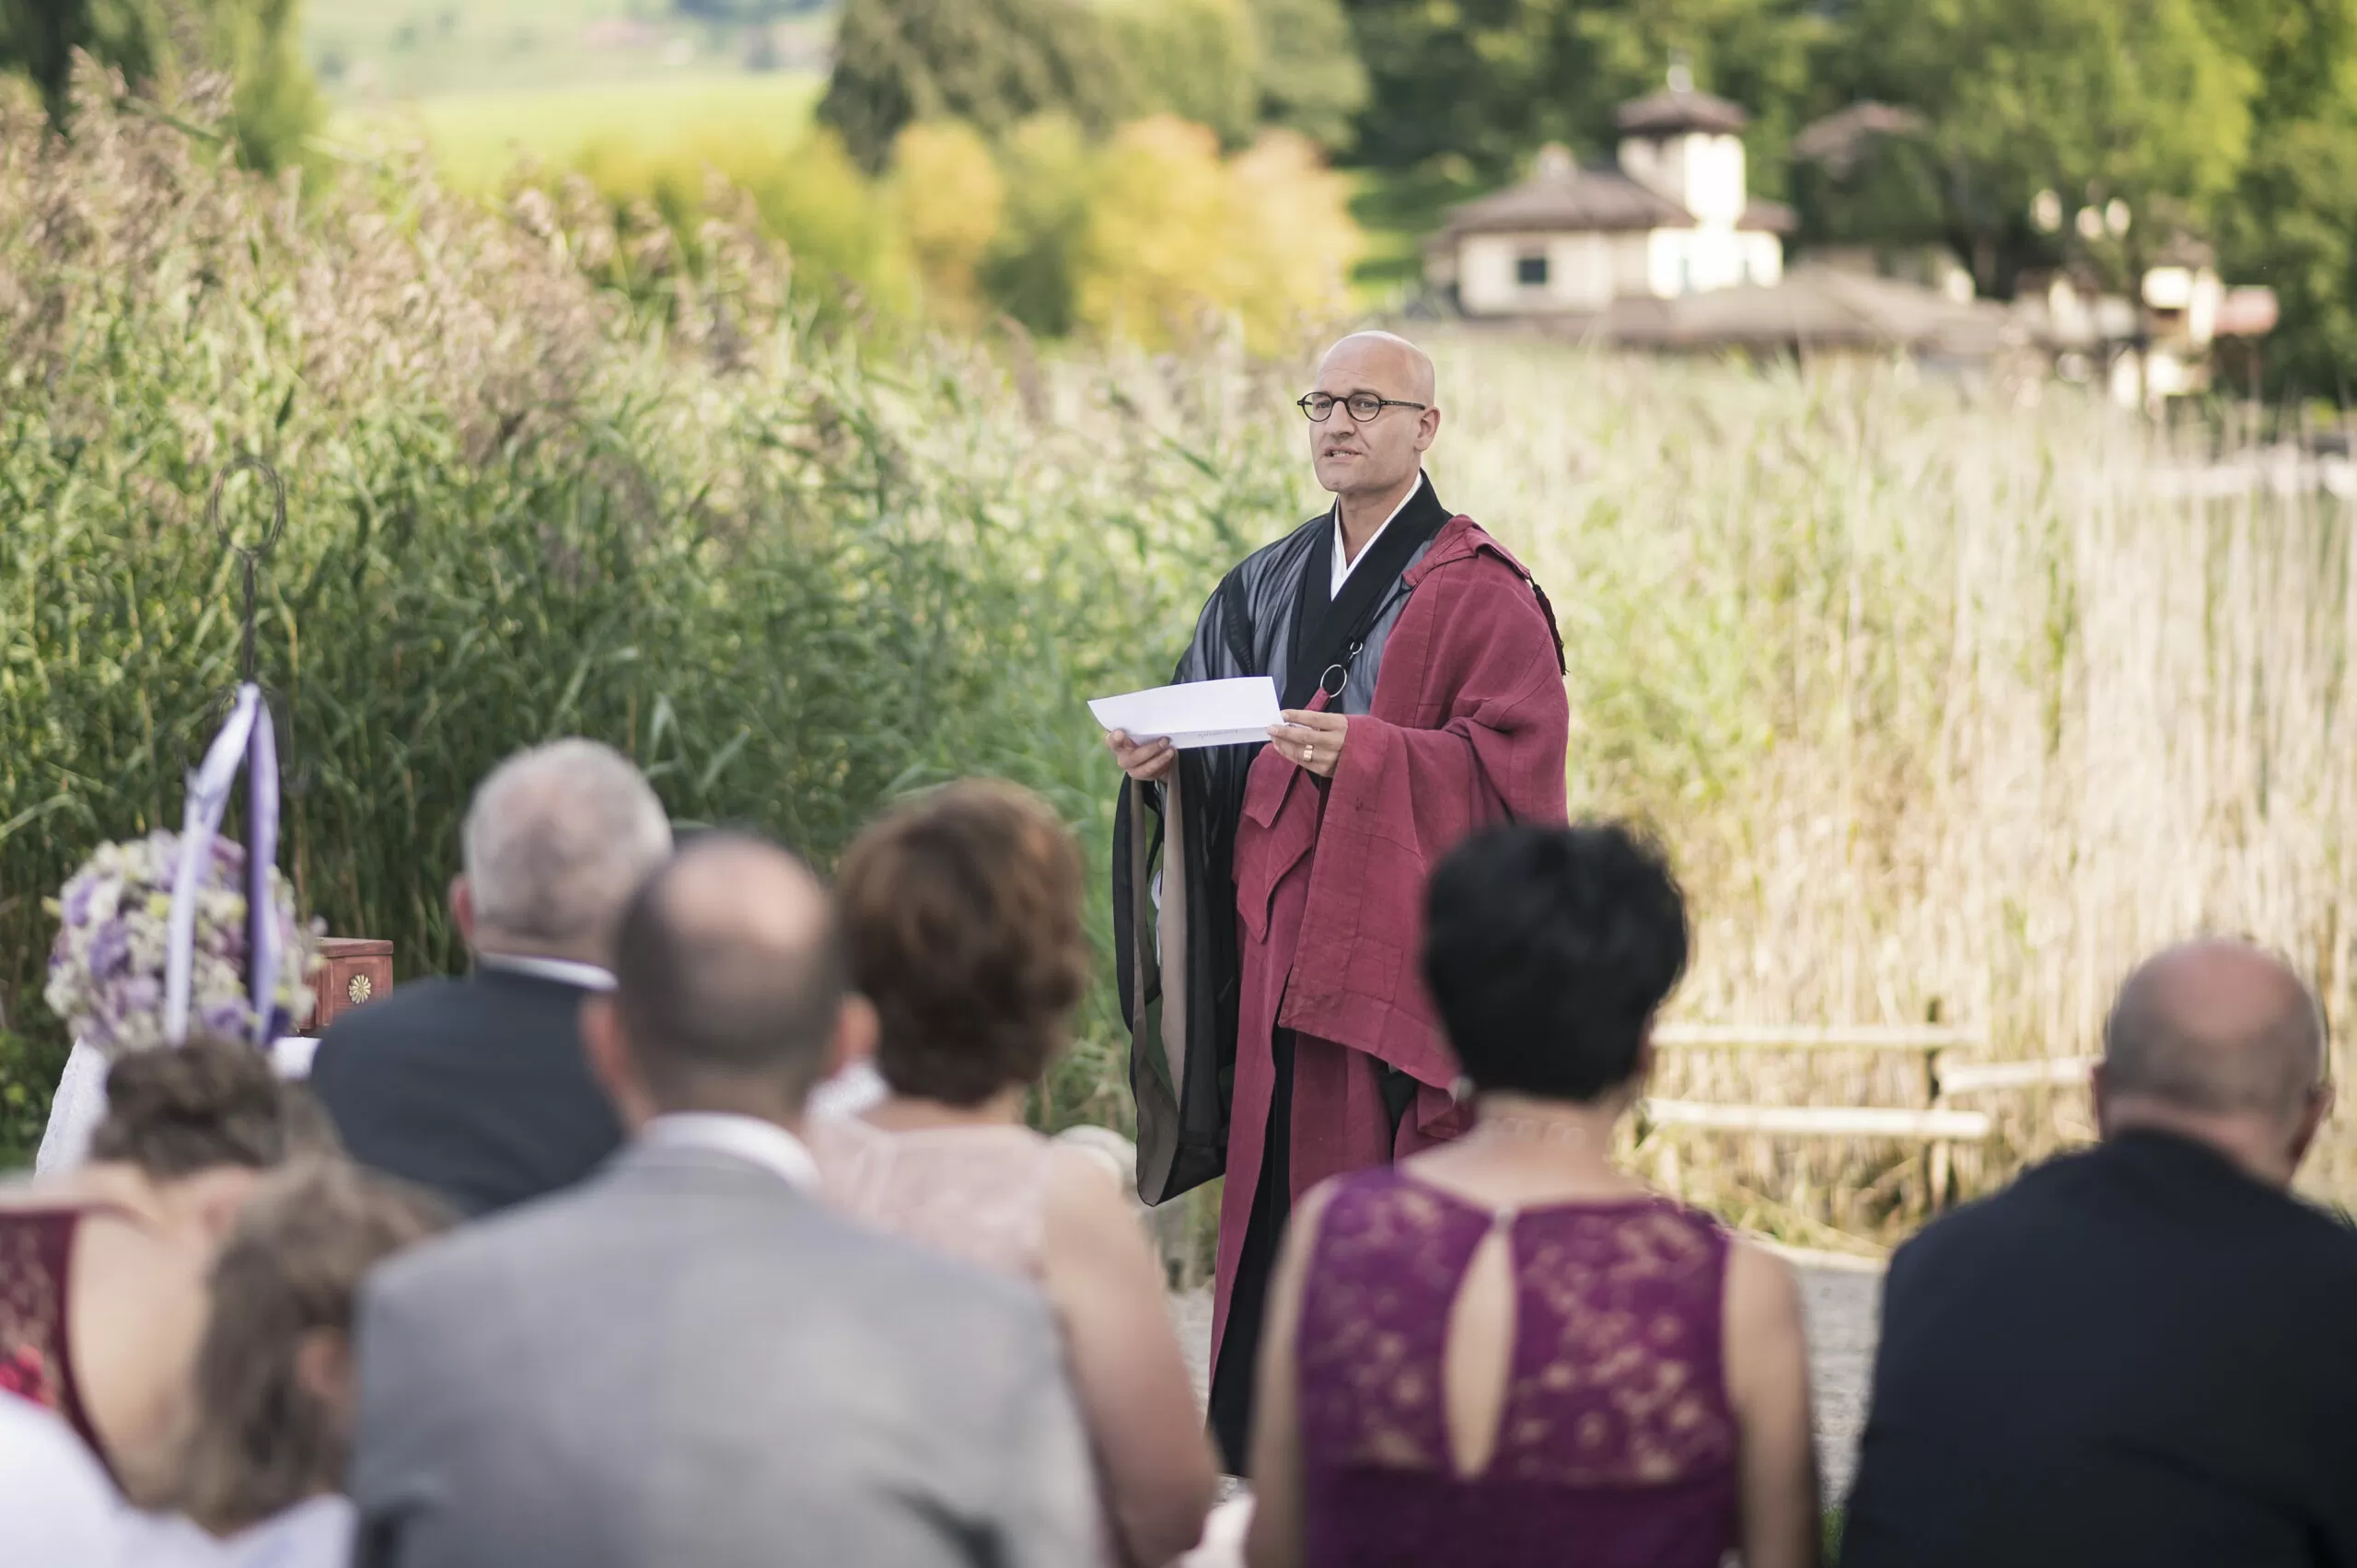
<point>106,974</point>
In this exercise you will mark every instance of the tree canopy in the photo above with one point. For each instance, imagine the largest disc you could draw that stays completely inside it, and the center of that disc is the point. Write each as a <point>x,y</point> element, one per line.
<point>993,64</point>
<point>274,102</point>
<point>1489,81</point>
<point>2139,101</point>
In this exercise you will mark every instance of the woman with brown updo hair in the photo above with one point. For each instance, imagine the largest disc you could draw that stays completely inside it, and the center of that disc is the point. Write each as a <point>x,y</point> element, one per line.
<point>102,1270</point>
<point>962,916</point>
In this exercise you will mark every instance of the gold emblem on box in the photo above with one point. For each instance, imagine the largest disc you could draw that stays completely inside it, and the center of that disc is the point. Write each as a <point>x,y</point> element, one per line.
<point>359,990</point>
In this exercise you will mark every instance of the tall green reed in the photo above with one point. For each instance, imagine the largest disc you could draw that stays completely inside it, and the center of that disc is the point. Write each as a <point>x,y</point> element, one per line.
<point>791,580</point>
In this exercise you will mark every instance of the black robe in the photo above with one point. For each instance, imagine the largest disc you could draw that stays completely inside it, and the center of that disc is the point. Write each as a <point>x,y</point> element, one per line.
<point>1270,616</point>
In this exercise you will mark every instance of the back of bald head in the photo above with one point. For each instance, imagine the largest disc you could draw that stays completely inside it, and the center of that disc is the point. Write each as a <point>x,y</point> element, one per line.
<point>1410,367</point>
<point>2215,1027</point>
<point>728,965</point>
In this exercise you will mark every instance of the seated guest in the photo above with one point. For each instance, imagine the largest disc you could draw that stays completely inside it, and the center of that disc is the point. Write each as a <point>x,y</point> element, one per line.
<point>962,913</point>
<point>688,1359</point>
<point>476,1089</point>
<point>1505,1345</point>
<point>265,1462</point>
<point>2140,1353</point>
<point>102,1269</point>
<point>56,1505</point>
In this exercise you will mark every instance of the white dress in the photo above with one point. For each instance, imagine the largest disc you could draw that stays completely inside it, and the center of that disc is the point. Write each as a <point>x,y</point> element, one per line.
<point>80,1103</point>
<point>79,1106</point>
<point>56,1505</point>
<point>316,1533</point>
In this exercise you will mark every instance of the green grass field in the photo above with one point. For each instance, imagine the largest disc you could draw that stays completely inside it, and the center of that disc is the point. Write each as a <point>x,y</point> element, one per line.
<point>402,51</point>
<point>477,137</point>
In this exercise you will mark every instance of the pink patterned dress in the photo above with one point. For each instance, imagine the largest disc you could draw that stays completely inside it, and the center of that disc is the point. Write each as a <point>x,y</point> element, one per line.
<point>978,1193</point>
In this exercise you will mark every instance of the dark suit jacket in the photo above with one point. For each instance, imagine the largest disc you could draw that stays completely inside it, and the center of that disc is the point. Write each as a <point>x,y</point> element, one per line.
<point>476,1087</point>
<point>2134,1355</point>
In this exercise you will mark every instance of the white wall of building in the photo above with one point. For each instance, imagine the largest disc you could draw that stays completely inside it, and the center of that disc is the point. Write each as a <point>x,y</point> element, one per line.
<point>1632,263</point>
<point>1696,261</point>
<point>1581,273</point>
<point>1700,172</point>
<point>1585,272</point>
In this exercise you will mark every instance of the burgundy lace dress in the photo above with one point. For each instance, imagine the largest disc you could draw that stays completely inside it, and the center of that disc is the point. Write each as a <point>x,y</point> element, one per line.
<point>1616,1446</point>
<point>36,1346</point>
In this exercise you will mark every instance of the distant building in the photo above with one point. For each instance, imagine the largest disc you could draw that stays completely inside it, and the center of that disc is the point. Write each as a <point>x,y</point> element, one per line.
<point>1820,311</point>
<point>1668,251</point>
<point>1674,217</point>
<point>2147,350</point>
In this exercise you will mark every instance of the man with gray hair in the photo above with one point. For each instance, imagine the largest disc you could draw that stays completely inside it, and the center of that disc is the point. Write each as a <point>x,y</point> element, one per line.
<point>2139,1354</point>
<point>477,1088</point>
<point>690,1361</point>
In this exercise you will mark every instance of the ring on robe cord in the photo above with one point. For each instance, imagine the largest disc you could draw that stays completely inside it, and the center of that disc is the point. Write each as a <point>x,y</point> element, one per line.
<point>1338,674</point>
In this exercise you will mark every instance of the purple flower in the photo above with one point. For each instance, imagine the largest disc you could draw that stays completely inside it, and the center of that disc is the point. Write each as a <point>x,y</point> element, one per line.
<point>227,1020</point>
<point>78,900</point>
<point>111,950</point>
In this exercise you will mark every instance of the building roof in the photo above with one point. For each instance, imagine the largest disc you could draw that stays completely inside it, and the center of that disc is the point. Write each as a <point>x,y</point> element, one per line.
<point>1561,197</point>
<point>1839,139</point>
<point>1672,110</point>
<point>1814,307</point>
<point>2247,312</point>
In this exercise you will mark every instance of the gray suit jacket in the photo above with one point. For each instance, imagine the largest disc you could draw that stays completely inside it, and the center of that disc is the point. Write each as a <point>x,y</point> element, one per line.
<point>688,1363</point>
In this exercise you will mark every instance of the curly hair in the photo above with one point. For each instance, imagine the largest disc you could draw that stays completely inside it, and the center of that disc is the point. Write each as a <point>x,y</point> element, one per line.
<point>1548,951</point>
<point>209,1103</point>
<point>962,915</point>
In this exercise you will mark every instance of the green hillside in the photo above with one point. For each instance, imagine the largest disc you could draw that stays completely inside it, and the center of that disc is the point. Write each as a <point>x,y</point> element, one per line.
<point>392,51</point>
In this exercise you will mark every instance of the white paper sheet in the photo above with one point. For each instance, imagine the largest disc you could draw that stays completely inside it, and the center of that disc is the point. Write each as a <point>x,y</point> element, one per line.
<point>1199,712</point>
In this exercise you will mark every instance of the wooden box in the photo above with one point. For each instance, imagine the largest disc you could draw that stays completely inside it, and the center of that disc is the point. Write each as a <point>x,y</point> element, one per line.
<point>353,971</point>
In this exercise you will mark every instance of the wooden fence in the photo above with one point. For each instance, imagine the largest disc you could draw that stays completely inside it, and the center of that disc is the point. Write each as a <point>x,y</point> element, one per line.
<point>1938,1122</point>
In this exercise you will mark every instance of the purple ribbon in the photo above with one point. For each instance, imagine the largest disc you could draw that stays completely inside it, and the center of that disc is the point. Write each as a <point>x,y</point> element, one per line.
<point>247,740</point>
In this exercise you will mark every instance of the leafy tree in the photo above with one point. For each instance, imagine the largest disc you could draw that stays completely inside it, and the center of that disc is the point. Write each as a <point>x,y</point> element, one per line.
<point>990,63</point>
<point>1889,188</point>
<point>1491,80</point>
<point>1312,80</point>
<point>1197,59</point>
<point>949,198</point>
<point>2294,227</point>
<point>1032,272</point>
<point>2140,101</point>
<point>744,10</point>
<point>273,105</point>
<point>2292,221</point>
<point>2305,51</point>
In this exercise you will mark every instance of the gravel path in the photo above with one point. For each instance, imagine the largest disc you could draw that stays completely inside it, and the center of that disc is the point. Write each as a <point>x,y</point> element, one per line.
<point>1840,1302</point>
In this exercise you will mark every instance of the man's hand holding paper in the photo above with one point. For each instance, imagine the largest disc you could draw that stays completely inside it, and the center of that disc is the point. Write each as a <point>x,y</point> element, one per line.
<point>1147,730</point>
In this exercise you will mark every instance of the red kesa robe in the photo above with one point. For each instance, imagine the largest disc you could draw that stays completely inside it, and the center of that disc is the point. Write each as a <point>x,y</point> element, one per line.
<point>1467,726</point>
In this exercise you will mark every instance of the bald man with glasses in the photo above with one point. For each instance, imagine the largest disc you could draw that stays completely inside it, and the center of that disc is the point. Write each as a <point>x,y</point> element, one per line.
<point>1265,895</point>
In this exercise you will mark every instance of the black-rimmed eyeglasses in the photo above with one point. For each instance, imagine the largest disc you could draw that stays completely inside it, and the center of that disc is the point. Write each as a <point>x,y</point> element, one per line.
<point>1320,406</point>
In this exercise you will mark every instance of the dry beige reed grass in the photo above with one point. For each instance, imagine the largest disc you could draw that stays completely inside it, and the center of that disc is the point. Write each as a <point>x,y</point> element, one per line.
<point>1948,705</point>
